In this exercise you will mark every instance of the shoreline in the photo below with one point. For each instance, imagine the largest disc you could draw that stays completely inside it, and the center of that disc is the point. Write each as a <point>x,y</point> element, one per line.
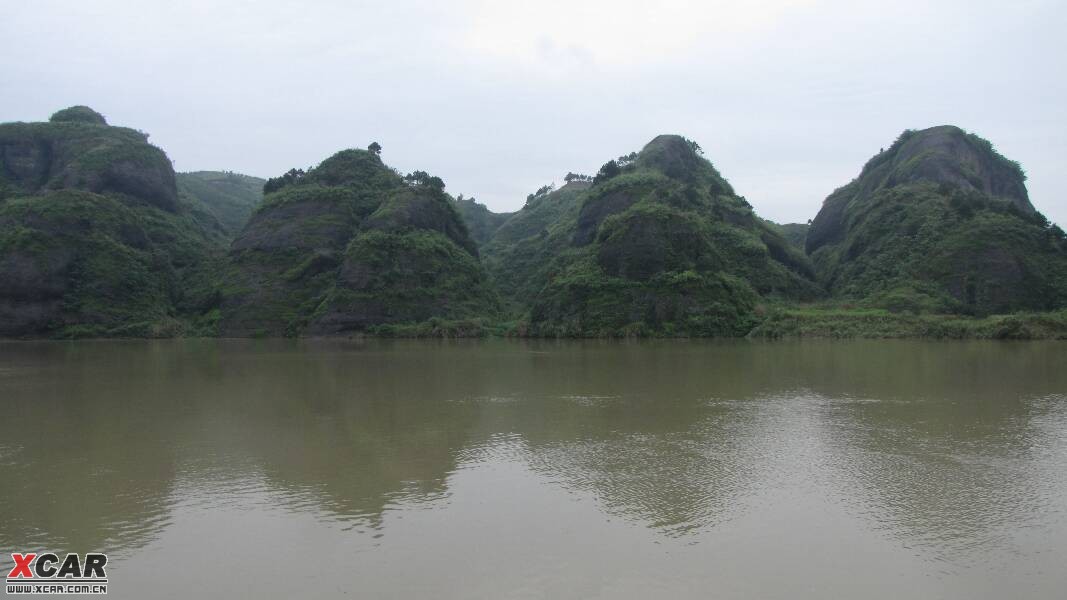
<point>777,323</point>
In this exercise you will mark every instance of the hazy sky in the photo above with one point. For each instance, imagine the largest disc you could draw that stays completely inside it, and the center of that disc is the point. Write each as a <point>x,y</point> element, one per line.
<point>787,98</point>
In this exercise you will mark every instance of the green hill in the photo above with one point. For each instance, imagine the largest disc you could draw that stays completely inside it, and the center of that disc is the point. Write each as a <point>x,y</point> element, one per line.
<point>518,256</point>
<point>77,149</point>
<point>795,233</point>
<point>658,244</point>
<point>481,222</point>
<point>229,197</point>
<point>94,237</point>
<point>939,222</point>
<point>352,246</point>
<point>99,237</point>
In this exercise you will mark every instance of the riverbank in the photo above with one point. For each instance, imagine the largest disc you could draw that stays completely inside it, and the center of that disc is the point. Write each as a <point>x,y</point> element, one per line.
<point>839,323</point>
<point>794,322</point>
<point>824,322</point>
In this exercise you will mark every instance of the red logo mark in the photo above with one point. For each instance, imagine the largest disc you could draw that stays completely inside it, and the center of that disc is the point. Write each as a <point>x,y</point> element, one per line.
<point>22,566</point>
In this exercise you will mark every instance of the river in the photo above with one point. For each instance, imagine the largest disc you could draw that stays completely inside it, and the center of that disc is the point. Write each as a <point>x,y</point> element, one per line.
<point>541,469</point>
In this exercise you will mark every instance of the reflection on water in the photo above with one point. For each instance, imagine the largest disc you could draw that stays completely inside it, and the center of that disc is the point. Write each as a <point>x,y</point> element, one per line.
<point>957,455</point>
<point>613,469</point>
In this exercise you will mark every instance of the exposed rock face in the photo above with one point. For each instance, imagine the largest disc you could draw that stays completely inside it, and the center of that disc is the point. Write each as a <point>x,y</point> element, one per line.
<point>348,247</point>
<point>940,221</point>
<point>420,208</point>
<point>948,155</point>
<point>599,207</point>
<point>284,225</point>
<point>72,258</point>
<point>659,244</point>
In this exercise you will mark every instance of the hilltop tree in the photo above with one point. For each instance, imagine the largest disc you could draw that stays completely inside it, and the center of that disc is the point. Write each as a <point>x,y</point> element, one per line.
<point>375,148</point>
<point>609,170</point>
<point>626,160</point>
<point>424,178</point>
<point>276,183</point>
<point>569,177</point>
<point>541,191</point>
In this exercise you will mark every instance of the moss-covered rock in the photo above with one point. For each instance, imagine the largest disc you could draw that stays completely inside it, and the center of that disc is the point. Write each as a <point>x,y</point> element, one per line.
<point>76,263</point>
<point>939,222</point>
<point>347,247</point>
<point>659,245</point>
<point>403,276</point>
<point>77,150</point>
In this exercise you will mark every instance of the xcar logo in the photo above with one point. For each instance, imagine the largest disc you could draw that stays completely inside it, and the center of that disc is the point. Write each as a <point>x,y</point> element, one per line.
<point>46,574</point>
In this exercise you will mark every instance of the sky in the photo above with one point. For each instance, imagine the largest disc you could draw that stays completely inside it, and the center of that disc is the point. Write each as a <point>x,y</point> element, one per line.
<point>788,98</point>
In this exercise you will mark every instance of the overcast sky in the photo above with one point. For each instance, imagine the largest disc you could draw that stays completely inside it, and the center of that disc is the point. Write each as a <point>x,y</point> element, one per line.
<point>788,98</point>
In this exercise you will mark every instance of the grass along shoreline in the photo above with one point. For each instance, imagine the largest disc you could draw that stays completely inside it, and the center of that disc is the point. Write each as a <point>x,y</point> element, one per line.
<point>779,322</point>
<point>842,323</point>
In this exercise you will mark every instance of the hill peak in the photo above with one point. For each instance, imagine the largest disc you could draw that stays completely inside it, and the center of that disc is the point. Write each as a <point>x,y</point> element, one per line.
<point>78,114</point>
<point>947,154</point>
<point>673,155</point>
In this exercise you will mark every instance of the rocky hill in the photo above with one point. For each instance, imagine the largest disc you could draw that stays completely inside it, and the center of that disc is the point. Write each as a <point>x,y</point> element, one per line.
<point>350,246</point>
<point>95,239</point>
<point>939,222</point>
<point>77,149</point>
<point>99,237</point>
<point>658,243</point>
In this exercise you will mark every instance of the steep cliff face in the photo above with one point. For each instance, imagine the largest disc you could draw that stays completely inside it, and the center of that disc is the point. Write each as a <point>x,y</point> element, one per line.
<point>939,222</point>
<point>350,246</point>
<point>94,238</point>
<point>659,243</point>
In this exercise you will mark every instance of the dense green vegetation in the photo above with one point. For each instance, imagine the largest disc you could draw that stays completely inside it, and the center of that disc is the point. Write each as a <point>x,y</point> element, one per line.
<point>831,322</point>
<point>350,246</point>
<point>229,197</point>
<point>658,244</point>
<point>99,237</point>
<point>481,222</point>
<point>795,233</point>
<point>95,239</point>
<point>518,255</point>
